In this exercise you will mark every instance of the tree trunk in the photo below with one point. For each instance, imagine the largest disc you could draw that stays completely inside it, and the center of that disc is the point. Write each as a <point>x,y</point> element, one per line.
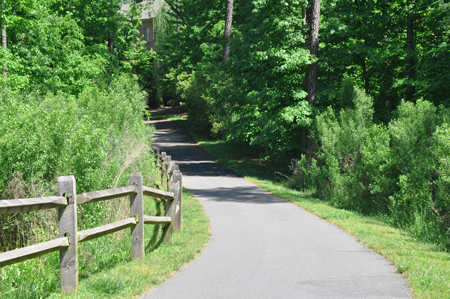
<point>111,49</point>
<point>176,100</point>
<point>306,17</point>
<point>311,85</point>
<point>363,63</point>
<point>311,77</point>
<point>410,59</point>
<point>111,43</point>
<point>4,72</point>
<point>365,77</point>
<point>227,34</point>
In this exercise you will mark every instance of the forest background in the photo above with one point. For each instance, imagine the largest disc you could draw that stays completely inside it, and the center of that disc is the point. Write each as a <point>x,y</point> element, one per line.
<point>354,92</point>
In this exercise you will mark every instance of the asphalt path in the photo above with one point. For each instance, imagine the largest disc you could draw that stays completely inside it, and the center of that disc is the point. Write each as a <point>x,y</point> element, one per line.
<point>265,247</point>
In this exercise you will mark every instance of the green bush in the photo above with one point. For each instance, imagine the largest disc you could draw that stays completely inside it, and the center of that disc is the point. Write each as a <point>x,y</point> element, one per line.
<point>204,91</point>
<point>399,170</point>
<point>418,152</point>
<point>100,138</point>
<point>343,141</point>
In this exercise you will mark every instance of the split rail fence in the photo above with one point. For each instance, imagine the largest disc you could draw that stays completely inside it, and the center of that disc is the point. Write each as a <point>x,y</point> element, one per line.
<point>69,236</point>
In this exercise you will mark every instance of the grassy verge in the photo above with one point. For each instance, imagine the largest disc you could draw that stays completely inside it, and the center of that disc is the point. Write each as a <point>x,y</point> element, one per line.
<point>425,267</point>
<point>129,280</point>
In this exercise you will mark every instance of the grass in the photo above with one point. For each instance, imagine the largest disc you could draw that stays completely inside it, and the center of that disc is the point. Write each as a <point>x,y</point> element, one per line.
<point>106,268</point>
<point>426,269</point>
<point>129,280</point>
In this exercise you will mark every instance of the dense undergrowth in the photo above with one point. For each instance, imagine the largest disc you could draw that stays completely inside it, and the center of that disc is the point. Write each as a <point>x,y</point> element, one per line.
<point>97,136</point>
<point>400,170</point>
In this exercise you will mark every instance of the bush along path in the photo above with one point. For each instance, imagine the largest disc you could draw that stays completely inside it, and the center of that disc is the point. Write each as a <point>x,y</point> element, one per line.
<point>265,247</point>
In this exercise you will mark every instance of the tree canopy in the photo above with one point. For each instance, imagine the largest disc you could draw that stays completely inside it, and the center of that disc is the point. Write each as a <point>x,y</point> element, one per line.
<point>65,46</point>
<point>393,50</point>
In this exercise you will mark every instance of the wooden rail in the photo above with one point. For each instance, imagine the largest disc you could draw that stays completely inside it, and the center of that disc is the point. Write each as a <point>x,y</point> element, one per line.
<point>107,229</point>
<point>95,196</point>
<point>69,236</point>
<point>26,253</point>
<point>31,204</point>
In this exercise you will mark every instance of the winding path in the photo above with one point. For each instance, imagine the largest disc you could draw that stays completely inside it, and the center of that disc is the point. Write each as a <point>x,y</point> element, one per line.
<point>265,247</point>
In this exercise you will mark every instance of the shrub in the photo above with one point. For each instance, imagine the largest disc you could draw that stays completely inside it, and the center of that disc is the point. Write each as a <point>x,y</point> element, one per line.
<point>418,151</point>
<point>344,140</point>
<point>400,170</point>
<point>100,138</point>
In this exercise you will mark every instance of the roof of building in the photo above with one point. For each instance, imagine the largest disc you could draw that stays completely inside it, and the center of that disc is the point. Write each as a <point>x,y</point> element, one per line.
<point>148,12</point>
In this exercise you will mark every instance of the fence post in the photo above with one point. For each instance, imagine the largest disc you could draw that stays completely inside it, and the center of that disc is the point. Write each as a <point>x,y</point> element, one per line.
<point>137,208</point>
<point>172,169</point>
<point>67,217</point>
<point>178,221</point>
<point>168,170</point>
<point>170,211</point>
<point>158,158</point>
<point>163,167</point>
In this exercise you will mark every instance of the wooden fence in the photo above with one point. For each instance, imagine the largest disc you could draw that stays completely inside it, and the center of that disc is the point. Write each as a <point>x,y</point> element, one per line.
<point>69,236</point>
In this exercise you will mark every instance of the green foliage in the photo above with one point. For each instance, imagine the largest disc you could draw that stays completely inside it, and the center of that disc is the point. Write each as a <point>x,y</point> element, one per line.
<point>367,41</point>
<point>378,153</point>
<point>343,140</point>
<point>346,94</point>
<point>100,138</point>
<point>256,96</point>
<point>60,45</point>
<point>47,136</point>
<point>415,162</point>
<point>202,91</point>
<point>46,52</point>
<point>399,170</point>
<point>24,280</point>
<point>142,64</point>
<point>267,65</point>
<point>43,137</point>
<point>363,42</point>
<point>306,175</point>
<point>441,152</point>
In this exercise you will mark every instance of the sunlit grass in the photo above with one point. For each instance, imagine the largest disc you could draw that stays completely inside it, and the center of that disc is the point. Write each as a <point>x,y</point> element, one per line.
<point>126,278</point>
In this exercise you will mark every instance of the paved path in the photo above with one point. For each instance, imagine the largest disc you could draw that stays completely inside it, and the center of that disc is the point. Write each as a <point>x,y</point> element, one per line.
<point>265,247</point>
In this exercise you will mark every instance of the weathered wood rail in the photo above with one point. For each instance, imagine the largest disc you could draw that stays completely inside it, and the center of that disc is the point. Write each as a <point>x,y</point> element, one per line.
<point>69,236</point>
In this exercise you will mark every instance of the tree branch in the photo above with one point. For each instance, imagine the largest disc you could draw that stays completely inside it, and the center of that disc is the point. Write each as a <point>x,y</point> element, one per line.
<point>177,12</point>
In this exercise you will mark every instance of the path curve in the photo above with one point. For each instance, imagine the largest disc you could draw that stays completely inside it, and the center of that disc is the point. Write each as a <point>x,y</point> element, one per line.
<point>265,247</point>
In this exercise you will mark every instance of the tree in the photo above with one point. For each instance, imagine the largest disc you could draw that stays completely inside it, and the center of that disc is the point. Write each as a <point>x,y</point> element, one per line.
<point>409,52</point>
<point>106,29</point>
<point>269,63</point>
<point>314,18</point>
<point>227,34</point>
<point>4,46</point>
<point>45,51</point>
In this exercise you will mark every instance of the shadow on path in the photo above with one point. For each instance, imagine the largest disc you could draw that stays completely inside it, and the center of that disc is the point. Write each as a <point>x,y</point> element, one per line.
<point>265,247</point>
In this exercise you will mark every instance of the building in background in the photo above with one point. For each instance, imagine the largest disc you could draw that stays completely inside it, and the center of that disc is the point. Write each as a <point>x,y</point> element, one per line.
<point>149,9</point>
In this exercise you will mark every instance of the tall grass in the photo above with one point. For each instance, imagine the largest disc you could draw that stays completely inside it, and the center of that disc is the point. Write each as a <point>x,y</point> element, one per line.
<point>100,138</point>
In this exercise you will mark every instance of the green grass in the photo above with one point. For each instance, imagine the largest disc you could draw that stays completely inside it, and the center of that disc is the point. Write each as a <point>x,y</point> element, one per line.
<point>162,260</point>
<point>425,267</point>
<point>106,269</point>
